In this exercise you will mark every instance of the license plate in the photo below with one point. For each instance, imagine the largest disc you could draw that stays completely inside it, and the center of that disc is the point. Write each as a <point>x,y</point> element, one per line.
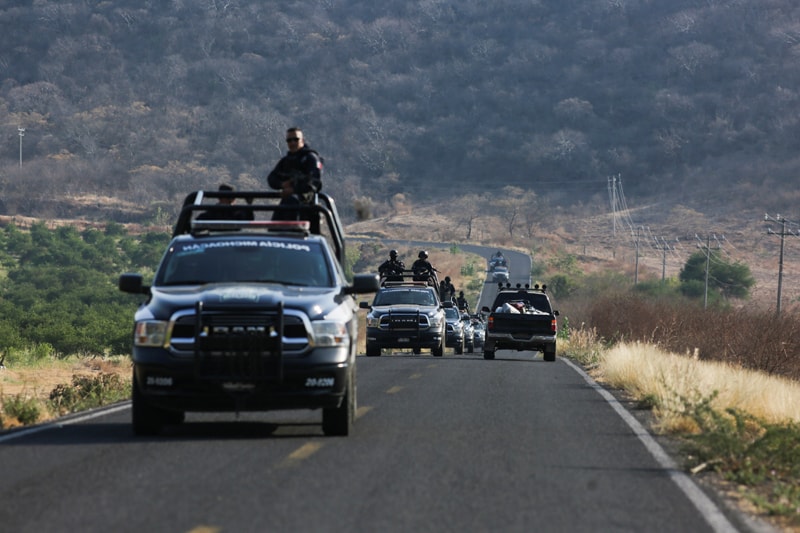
<point>403,339</point>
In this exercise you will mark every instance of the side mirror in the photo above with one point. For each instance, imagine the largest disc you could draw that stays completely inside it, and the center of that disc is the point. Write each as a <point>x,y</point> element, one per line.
<point>364,305</point>
<point>364,283</point>
<point>132,283</point>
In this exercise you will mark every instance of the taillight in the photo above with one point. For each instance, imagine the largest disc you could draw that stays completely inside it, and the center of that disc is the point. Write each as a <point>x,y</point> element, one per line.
<point>490,323</point>
<point>553,326</point>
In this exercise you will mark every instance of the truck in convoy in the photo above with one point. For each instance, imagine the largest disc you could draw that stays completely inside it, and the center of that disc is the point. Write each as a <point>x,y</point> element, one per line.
<point>247,314</point>
<point>521,318</point>
<point>405,315</point>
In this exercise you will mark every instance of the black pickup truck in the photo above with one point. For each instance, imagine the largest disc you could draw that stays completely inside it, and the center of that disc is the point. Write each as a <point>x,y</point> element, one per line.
<point>521,318</point>
<point>405,314</point>
<point>247,314</point>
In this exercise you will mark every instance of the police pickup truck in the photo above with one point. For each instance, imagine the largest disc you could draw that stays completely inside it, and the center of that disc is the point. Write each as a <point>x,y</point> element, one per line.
<point>405,315</point>
<point>247,314</point>
<point>521,318</point>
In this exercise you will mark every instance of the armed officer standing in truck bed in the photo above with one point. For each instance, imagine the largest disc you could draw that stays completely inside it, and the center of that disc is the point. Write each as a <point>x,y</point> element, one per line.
<point>298,175</point>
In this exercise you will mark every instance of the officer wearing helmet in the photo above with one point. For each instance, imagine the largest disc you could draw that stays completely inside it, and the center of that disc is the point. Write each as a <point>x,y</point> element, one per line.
<point>392,267</point>
<point>447,291</point>
<point>463,305</point>
<point>423,270</point>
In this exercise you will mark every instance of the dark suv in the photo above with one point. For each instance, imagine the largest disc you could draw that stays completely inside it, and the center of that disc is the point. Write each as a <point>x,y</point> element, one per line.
<point>405,315</point>
<point>247,316</point>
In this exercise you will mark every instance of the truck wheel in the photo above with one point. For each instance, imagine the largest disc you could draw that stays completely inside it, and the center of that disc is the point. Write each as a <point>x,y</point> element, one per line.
<point>147,420</point>
<point>373,351</point>
<point>338,421</point>
<point>438,351</point>
<point>488,354</point>
<point>549,353</point>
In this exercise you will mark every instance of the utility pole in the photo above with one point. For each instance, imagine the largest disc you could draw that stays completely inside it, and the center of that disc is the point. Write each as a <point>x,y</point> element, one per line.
<point>708,264</point>
<point>707,249</point>
<point>636,271</point>
<point>21,131</point>
<point>612,191</point>
<point>783,233</point>
<point>664,247</point>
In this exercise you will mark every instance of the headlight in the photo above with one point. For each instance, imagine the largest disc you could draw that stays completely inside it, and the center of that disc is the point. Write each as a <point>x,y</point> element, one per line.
<point>330,333</point>
<point>373,321</point>
<point>150,333</point>
<point>436,320</point>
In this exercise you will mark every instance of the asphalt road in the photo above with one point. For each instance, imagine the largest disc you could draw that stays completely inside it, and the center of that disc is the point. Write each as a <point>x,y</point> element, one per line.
<point>455,443</point>
<point>441,444</point>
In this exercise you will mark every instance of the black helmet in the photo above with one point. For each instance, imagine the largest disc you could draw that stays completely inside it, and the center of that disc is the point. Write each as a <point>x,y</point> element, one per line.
<point>447,279</point>
<point>423,254</point>
<point>393,254</point>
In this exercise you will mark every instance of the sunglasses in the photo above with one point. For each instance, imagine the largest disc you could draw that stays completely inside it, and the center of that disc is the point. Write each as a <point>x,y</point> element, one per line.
<point>292,139</point>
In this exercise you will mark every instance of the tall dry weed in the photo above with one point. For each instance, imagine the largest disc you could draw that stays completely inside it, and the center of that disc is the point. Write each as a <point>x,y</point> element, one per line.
<point>753,339</point>
<point>675,383</point>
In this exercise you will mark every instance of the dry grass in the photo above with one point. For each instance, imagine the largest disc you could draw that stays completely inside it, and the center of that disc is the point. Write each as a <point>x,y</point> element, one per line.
<point>35,382</point>
<point>669,381</point>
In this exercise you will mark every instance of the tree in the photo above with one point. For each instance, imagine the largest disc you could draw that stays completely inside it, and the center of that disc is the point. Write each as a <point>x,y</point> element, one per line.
<point>471,207</point>
<point>730,280</point>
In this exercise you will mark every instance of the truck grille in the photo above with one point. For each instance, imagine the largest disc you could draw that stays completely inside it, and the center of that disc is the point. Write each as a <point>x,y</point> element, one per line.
<point>404,321</point>
<point>236,345</point>
<point>182,338</point>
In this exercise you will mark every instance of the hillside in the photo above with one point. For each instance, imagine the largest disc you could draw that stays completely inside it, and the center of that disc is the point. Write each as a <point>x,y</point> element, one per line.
<point>691,102</point>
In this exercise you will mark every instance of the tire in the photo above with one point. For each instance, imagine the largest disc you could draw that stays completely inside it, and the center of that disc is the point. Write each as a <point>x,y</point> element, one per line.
<point>438,351</point>
<point>549,353</point>
<point>338,421</point>
<point>416,351</point>
<point>488,354</point>
<point>460,348</point>
<point>146,419</point>
<point>372,351</point>
<point>470,348</point>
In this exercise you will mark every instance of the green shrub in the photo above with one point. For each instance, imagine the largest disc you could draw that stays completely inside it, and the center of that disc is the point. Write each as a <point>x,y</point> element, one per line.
<point>87,392</point>
<point>26,410</point>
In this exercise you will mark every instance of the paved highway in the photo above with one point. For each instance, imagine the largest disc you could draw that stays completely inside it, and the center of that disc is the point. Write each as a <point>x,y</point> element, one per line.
<point>441,444</point>
<point>455,443</point>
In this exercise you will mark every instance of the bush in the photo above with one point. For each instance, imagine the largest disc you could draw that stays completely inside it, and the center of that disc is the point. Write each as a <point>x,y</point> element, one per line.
<point>87,392</point>
<point>753,339</point>
<point>25,409</point>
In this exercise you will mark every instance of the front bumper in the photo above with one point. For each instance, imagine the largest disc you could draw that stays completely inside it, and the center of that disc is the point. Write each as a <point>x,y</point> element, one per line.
<point>315,381</point>
<point>454,339</point>
<point>378,338</point>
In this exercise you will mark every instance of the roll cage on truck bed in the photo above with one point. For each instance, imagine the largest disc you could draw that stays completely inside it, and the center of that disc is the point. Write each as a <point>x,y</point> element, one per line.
<point>322,206</point>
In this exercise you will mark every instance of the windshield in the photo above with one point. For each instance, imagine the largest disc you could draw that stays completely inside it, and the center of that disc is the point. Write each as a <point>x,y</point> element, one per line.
<point>405,296</point>
<point>452,313</point>
<point>249,259</point>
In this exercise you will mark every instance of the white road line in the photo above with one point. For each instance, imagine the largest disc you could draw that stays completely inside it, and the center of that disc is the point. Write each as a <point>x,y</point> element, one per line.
<point>707,508</point>
<point>65,422</point>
